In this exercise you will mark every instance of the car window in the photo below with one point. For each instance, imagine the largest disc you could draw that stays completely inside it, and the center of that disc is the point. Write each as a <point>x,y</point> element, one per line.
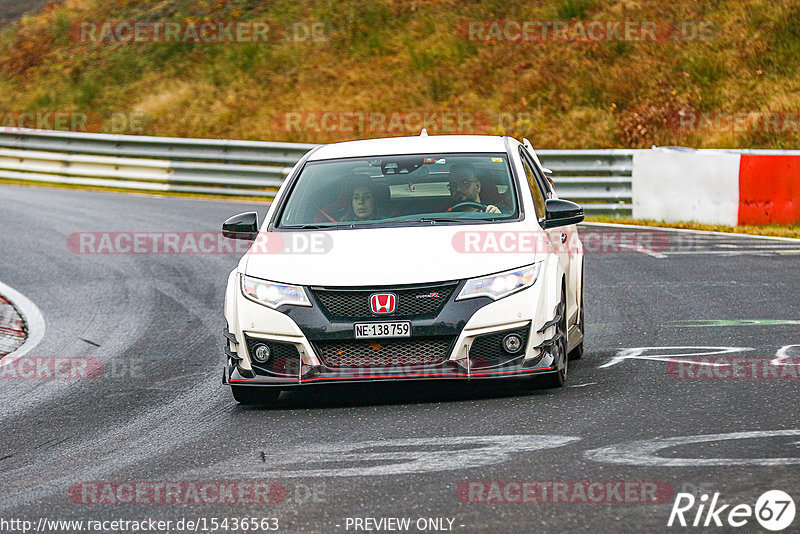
<point>541,179</point>
<point>400,189</point>
<point>538,197</point>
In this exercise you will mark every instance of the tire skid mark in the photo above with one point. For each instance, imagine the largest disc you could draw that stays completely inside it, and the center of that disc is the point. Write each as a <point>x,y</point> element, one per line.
<point>21,396</point>
<point>144,437</point>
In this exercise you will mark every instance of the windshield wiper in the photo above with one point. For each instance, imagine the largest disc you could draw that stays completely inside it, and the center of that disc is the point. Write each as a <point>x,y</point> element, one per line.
<point>312,226</point>
<point>434,220</point>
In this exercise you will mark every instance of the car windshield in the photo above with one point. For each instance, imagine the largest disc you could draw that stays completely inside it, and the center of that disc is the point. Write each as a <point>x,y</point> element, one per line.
<point>401,189</point>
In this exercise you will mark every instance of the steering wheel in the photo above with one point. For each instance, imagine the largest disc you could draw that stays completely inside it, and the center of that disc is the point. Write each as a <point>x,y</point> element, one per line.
<point>478,205</point>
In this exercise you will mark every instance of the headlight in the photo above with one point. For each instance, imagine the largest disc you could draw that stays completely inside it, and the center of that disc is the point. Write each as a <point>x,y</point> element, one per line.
<point>500,285</point>
<point>273,294</point>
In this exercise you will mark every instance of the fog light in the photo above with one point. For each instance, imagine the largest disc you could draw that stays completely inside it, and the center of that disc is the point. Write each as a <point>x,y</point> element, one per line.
<point>261,353</point>
<point>512,343</point>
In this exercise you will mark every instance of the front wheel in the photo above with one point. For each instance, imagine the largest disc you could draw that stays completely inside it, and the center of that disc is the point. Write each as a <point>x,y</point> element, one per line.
<point>255,396</point>
<point>561,359</point>
<point>577,352</point>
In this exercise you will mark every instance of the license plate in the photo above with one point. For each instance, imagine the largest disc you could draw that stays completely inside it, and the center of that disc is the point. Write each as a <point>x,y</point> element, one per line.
<point>372,330</point>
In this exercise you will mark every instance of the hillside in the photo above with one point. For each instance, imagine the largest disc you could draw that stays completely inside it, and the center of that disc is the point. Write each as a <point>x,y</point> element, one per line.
<point>10,10</point>
<point>703,74</point>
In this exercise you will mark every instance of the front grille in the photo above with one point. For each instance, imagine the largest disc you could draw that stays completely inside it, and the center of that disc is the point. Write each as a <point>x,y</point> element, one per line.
<point>418,301</point>
<point>488,351</point>
<point>284,358</point>
<point>385,352</point>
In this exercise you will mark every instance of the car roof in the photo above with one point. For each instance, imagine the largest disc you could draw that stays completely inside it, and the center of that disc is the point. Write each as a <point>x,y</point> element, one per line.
<point>411,145</point>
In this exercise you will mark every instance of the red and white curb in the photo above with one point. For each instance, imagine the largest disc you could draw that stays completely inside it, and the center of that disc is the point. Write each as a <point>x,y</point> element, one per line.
<point>12,328</point>
<point>22,325</point>
<point>717,186</point>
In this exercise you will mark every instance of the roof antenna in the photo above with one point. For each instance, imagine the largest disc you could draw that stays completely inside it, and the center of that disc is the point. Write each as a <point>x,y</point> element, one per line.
<point>424,132</point>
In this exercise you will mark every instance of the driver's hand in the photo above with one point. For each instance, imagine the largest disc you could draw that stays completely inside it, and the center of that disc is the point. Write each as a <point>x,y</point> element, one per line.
<point>492,209</point>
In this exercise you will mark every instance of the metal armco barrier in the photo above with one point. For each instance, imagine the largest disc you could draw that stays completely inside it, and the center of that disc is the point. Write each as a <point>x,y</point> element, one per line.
<point>600,180</point>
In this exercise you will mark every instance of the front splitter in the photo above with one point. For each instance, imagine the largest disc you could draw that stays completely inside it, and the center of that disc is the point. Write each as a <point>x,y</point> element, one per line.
<point>449,370</point>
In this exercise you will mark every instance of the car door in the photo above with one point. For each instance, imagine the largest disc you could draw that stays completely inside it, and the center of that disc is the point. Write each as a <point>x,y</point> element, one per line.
<point>561,238</point>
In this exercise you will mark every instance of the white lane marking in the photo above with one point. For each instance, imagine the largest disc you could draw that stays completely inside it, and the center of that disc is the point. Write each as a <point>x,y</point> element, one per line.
<point>34,321</point>
<point>643,250</point>
<point>754,246</point>
<point>754,252</point>
<point>643,452</point>
<point>638,353</point>
<point>725,247</point>
<point>582,385</point>
<point>783,354</point>
<point>721,323</point>
<point>686,230</point>
<point>413,455</point>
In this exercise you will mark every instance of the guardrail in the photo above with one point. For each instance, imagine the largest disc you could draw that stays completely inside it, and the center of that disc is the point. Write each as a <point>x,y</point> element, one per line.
<point>598,179</point>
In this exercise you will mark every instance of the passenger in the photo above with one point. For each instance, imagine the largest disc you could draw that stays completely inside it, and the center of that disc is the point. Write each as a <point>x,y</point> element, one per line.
<point>465,187</point>
<point>363,201</point>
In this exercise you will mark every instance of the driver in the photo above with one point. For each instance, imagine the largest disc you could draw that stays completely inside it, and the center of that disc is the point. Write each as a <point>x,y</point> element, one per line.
<point>465,187</point>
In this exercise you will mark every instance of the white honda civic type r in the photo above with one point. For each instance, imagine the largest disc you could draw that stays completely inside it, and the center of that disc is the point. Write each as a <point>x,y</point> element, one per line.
<point>410,258</point>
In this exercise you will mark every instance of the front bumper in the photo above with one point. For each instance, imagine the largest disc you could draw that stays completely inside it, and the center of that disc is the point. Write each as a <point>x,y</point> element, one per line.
<point>472,330</point>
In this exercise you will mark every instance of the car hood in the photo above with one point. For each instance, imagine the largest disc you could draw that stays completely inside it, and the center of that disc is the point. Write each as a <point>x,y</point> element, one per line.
<point>391,256</point>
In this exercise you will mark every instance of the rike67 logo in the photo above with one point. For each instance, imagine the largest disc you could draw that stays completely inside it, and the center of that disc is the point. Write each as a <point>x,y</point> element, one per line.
<point>774,510</point>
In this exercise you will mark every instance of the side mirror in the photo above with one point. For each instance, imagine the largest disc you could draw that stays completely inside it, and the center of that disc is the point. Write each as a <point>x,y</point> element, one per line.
<point>559,212</point>
<point>243,226</point>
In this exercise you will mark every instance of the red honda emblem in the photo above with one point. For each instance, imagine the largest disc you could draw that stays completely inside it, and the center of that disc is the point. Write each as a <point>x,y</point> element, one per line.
<point>382,302</point>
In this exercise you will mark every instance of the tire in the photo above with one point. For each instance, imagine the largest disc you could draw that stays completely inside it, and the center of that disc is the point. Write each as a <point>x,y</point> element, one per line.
<point>255,396</point>
<point>559,378</point>
<point>577,352</point>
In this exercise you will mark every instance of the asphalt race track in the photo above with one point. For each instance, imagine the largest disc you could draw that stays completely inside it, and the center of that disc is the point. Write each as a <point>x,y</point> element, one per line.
<point>159,413</point>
